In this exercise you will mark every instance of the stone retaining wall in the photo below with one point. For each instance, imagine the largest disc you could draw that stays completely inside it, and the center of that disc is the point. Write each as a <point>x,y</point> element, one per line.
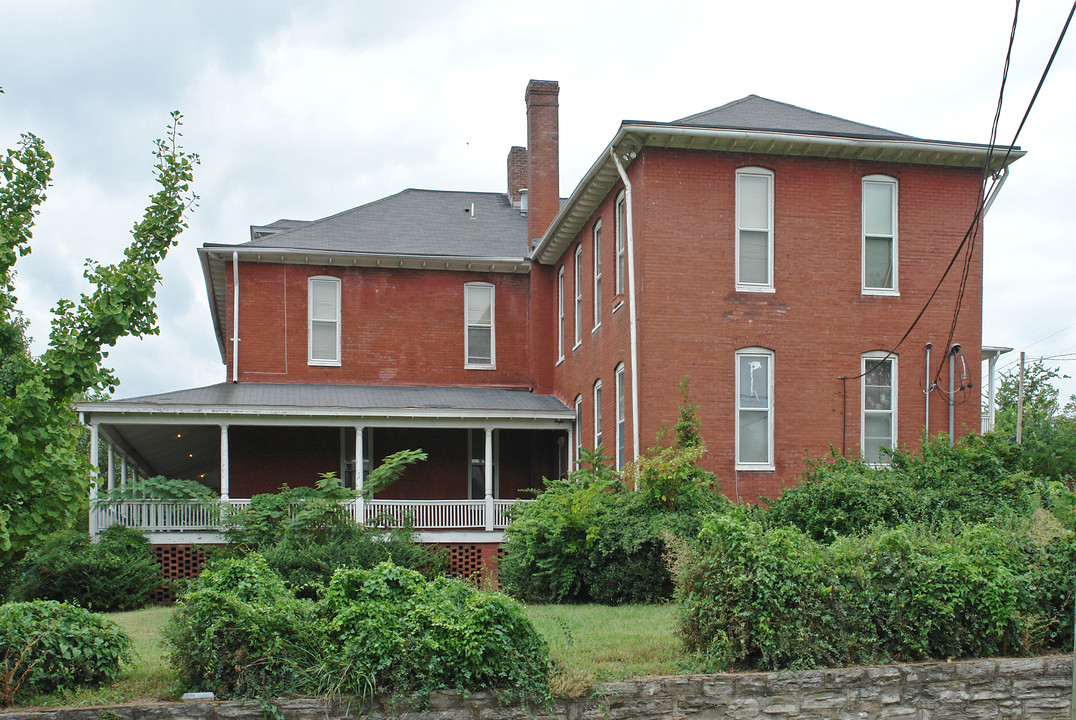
<point>1019,689</point>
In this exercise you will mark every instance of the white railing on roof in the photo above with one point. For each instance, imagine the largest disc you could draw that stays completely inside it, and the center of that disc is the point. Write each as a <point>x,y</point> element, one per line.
<point>161,516</point>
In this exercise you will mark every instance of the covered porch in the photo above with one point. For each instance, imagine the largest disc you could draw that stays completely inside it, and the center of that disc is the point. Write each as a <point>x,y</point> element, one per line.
<point>486,448</point>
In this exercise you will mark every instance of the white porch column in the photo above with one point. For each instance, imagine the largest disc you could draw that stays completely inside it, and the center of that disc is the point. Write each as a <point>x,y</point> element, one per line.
<point>360,503</point>
<point>489,478</point>
<point>111,470</point>
<point>94,450</point>
<point>224,483</point>
<point>123,470</point>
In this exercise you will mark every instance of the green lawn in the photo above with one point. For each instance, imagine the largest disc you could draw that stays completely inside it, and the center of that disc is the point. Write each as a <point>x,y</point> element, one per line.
<point>587,643</point>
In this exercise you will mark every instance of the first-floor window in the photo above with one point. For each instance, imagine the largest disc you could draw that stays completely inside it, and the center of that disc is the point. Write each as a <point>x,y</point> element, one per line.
<point>879,426</point>
<point>323,314</point>
<point>620,423</point>
<point>479,325</point>
<point>754,409</point>
<point>477,443</point>
<point>597,413</point>
<point>578,429</point>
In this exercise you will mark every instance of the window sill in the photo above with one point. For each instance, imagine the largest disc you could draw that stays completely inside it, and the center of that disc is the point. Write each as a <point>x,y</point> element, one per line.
<point>618,306</point>
<point>323,363</point>
<point>559,361</point>
<point>756,468</point>
<point>577,345</point>
<point>755,289</point>
<point>881,292</point>
<point>479,367</point>
<point>595,328</point>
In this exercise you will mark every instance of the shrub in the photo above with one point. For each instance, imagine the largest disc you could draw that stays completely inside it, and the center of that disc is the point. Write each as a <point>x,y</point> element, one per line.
<point>116,573</point>
<point>239,632</point>
<point>47,645</point>
<point>773,598</point>
<point>397,632</point>
<point>942,484</point>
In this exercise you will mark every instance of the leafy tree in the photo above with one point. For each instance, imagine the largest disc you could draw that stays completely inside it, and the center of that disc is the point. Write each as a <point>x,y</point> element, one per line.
<point>1048,446</point>
<point>43,477</point>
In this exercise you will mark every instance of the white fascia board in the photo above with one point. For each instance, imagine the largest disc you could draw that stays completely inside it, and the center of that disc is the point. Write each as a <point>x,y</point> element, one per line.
<point>309,417</point>
<point>634,136</point>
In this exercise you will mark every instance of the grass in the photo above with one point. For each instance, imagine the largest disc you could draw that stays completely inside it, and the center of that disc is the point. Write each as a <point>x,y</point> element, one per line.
<point>594,643</point>
<point>587,643</point>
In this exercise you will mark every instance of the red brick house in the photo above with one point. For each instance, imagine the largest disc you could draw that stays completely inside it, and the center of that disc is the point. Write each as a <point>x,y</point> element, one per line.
<point>770,254</point>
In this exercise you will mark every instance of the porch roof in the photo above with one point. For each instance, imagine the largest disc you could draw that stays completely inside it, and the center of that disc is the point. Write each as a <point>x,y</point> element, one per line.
<point>250,401</point>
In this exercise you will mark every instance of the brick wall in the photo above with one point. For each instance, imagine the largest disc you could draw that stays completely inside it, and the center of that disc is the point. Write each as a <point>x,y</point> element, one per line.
<point>691,320</point>
<point>399,327</point>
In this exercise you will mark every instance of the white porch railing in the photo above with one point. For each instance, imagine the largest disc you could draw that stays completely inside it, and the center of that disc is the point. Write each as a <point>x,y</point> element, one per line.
<point>160,516</point>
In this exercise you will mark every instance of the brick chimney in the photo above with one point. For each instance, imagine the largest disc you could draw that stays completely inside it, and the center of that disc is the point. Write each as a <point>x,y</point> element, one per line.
<point>543,202</point>
<point>517,174</point>
<point>543,156</point>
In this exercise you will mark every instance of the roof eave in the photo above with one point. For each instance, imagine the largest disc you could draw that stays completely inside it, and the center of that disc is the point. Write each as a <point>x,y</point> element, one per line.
<point>633,136</point>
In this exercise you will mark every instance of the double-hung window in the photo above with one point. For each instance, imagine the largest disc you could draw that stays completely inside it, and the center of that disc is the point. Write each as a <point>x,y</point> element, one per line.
<point>754,229</point>
<point>578,295</point>
<point>479,338</point>
<point>560,314</point>
<point>597,413</point>
<point>621,244</point>
<point>754,409</point>
<point>620,423</point>
<point>578,430</point>
<point>879,426</point>
<point>476,440</point>
<point>323,321</point>
<point>597,273</point>
<point>880,235</point>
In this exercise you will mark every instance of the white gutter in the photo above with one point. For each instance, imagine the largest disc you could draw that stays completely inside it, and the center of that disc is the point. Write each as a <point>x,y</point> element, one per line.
<point>235,317</point>
<point>633,332</point>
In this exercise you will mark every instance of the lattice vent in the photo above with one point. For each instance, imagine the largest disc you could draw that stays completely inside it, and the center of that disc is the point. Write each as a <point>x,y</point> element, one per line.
<point>176,561</point>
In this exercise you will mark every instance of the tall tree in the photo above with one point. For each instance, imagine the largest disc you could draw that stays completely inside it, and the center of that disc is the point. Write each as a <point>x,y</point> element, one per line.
<point>43,477</point>
<point>1048,446</point>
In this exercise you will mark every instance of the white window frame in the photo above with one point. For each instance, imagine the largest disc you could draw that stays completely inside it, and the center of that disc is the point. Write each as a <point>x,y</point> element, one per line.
<point>560,315</point>
<point>311,320</point>
<point>578,430</point>
<point>480,462</point>
<point>597,274</point>
<point>767,286</point>
<point>768,411</point>
<point>468,288</point>
<point>578,296</point>
<point>621,221</point>
<point>597,413</point>
<point>868,361</point>
<point>621,424</point>
<point>894,254</point>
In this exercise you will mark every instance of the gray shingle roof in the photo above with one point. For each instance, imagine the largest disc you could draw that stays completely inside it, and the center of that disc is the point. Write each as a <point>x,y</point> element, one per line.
<point>414,222</point>
<point>240,396</point>
<point>759,113</point>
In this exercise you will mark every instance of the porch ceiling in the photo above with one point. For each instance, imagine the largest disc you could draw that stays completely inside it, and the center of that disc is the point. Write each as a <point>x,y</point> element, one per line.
<point>191,452</point>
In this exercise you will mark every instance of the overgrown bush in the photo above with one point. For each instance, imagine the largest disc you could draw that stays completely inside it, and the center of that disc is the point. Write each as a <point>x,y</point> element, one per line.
<point>239,632</point>
<point>118,572</point>
<point>773,598</point>
<point>395,631</point>
<point>938,486</point>
<point>47,645</point>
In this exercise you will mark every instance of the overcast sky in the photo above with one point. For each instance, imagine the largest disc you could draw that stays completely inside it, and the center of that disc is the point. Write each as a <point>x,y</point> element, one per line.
<point>301,110</point>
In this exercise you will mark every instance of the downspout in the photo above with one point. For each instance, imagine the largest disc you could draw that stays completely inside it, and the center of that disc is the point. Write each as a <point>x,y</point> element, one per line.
<point>631,310</point>
<point>235,317</point>
<point>997,189</point>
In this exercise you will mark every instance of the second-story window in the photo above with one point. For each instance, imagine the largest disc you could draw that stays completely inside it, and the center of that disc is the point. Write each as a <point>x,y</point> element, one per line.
<point>879,235</point>
<point>479,339</point>
<point>754,229</point>
<point>578,295</point>
<point>597,273</point>
<point>323,321</point>
<point>560,314</point>
<point>621,244</point>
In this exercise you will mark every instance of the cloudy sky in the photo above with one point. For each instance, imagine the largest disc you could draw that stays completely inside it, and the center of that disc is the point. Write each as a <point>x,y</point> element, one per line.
<point>301,110</point>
